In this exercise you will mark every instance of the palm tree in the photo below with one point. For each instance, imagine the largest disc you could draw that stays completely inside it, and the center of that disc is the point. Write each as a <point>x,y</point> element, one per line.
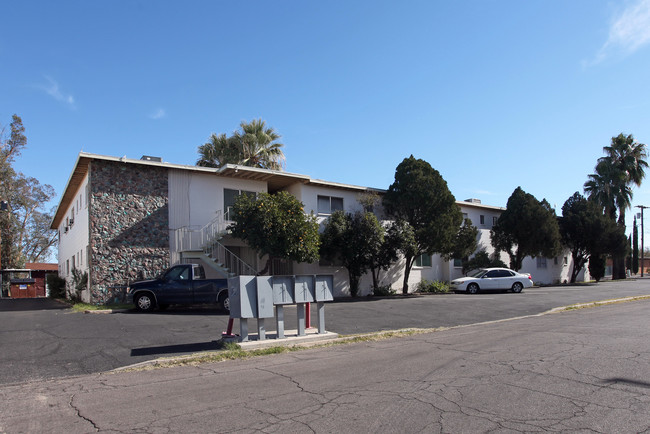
<point>622,167</point>
<point>218,151</point>
<point>627,160</point>
<point>255,146</point>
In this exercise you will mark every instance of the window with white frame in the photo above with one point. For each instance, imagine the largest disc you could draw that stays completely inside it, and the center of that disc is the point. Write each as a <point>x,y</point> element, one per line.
<point>423,260</point>
<point>541,262</point>
<point>230,197</point>
<point>494,220</point>
<point>329,204</point>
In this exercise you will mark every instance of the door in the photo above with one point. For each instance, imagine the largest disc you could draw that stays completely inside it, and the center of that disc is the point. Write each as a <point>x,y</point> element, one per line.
<point>176,287</point>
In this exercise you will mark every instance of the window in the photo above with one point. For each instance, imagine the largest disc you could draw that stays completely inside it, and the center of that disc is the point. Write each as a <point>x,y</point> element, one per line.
<point>482,219</point>
<point>541,262</point>
<point>73,263</point>
<point>465,216</point>
<point>229,199</point>
<point>499,273</point>
<point>494,220</point>
<point>67,267</point>
<point>566,260</point>
<point>178,273</point>
<point>458,263</point>
<point>329,204</point>
<point>423,260</point>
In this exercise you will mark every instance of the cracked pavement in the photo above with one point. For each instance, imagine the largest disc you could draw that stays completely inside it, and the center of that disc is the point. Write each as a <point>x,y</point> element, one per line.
<point>585,370</point>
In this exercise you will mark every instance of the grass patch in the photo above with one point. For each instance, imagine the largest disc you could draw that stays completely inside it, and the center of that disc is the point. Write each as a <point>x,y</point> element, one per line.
<point>604,302</point>
<point>82,307</point>
<point>233,351</point>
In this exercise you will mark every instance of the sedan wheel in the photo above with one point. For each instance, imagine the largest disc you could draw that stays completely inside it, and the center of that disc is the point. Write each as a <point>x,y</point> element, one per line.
<point>472,288</point>
<point>517,287</point>
<point>144,303</point>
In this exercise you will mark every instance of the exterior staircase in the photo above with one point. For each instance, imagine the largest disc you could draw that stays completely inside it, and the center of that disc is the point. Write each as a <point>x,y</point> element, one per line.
<point>203,243</point>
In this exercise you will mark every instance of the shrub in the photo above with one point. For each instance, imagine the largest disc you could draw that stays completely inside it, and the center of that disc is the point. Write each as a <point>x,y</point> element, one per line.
<point>383,290</point>
<point>56,285</point>
<point>435,286</point>
<point>78,284</point>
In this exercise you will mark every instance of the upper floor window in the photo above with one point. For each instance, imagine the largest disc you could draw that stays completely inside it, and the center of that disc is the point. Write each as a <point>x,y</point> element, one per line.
<point>229,198</point>
<point>329,204</point>
<point>482,219</point>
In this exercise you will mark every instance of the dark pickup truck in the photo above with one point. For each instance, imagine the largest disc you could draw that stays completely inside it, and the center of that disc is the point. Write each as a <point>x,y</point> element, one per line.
<point>181,284</point>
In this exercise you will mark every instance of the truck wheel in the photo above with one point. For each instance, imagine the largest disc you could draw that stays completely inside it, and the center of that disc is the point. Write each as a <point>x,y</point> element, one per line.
<point>224,302</point>
<point>144,303</point>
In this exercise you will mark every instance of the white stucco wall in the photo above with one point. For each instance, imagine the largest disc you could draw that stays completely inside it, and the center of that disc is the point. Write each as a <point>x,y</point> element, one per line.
<point>73,243</point>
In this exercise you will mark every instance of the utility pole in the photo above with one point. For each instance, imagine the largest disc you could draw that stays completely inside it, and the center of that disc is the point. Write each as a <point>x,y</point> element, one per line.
<point>642,261</point>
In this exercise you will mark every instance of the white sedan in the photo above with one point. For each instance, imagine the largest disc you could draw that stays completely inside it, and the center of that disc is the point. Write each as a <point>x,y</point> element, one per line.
<point>492,279</point>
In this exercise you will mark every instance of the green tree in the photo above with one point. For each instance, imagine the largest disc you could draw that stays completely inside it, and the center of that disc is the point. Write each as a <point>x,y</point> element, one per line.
<point>24,226</point>
<point>254,145</point>
<point>527,227</point>
<point>352,239</point>
<point>276,225</point>
<point>420,196</point>
<point>622,167</point>
<point>387,254</point>
<point>585,230</point>
<point>465,241</point>
<point>482,260</point>
<point>597,266</point>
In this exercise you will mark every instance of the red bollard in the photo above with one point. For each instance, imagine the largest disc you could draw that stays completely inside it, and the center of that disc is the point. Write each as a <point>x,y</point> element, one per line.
<point>308,316</point>
<point>230,324</point>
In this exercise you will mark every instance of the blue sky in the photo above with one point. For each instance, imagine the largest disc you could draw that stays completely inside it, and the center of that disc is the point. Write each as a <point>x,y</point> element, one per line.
<point>494,94</point>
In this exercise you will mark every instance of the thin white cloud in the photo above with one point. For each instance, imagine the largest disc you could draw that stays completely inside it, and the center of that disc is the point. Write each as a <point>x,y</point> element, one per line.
<point>484,192</point>
<point>159,113</point>
<point>52,89</point>
<point>629,31</point>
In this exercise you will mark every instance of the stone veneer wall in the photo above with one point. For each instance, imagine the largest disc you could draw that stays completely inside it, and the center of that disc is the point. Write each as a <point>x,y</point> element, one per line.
<point>129,226</point>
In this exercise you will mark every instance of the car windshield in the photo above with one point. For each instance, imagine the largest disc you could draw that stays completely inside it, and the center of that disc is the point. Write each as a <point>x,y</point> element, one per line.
<point>477,273</point>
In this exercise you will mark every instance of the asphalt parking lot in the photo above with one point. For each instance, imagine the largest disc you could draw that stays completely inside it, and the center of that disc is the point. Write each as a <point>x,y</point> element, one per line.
<point>44,339</point>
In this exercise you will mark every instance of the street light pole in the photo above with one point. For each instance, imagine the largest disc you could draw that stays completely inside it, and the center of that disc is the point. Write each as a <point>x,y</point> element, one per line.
<point>642,259</point>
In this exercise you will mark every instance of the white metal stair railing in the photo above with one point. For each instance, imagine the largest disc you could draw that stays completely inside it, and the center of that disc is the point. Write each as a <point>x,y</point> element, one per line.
<point>226,259</point>
<point>206,239</point>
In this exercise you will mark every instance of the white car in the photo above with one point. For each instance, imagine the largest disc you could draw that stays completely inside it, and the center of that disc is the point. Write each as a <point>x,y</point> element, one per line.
<point>492,279</point>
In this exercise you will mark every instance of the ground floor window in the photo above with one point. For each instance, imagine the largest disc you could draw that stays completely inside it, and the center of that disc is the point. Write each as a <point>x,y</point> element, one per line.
<point>423,260</point>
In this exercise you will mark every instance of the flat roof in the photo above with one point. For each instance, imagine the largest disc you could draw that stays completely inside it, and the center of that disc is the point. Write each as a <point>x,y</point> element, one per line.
<point>275,179</point>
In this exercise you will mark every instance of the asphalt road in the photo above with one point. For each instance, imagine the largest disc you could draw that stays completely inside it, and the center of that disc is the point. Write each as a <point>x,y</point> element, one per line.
<point>577,371</point>
<point>40,339</point>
